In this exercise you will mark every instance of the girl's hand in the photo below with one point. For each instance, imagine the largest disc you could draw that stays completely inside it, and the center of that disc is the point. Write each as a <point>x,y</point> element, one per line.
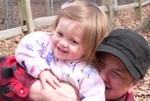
<point>47,77</point>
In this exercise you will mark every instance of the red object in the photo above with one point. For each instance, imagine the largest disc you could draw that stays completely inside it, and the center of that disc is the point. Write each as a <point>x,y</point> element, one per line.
<point>14,81</point>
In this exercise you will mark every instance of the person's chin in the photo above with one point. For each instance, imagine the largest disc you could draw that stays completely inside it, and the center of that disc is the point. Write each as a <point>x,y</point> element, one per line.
<point>107,90</point>
<point>60,58</point>
<point>108,93</point>
<point>110,96</point>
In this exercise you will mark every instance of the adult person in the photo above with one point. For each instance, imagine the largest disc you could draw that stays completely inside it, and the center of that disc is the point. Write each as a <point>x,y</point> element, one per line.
<point>125,65</point>
<point>123,59</point>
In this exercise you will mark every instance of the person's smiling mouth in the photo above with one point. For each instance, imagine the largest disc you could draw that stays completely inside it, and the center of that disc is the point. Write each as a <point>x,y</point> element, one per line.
<point>62,51</point>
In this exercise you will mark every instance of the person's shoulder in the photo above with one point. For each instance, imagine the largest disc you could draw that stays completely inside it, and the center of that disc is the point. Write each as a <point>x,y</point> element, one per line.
<point>39,36</point>
<point>40,33</point>
<point>85,67</point>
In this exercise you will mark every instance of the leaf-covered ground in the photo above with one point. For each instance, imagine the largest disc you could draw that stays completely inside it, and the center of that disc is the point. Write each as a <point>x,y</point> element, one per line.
<point>122,19</point>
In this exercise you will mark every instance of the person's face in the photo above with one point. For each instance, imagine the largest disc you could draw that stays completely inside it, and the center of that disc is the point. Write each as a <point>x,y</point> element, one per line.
<point>66,43</point>
<point>116,78</point>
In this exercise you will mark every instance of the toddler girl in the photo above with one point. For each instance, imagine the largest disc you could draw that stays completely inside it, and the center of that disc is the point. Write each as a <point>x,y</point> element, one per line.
<point>68,51</point>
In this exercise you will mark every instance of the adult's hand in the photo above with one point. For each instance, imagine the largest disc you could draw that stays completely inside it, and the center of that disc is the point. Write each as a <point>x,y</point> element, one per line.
<point>65,93</point>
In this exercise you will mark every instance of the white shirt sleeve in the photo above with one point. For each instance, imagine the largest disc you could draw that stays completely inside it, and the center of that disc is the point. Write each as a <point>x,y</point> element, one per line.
<point>92,88</point>
<point>30,50</point>
<point>89,83</point>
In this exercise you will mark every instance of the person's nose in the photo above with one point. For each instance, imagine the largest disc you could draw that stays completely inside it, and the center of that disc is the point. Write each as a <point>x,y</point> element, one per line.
<point>104,75</point>
<point>63,43</point>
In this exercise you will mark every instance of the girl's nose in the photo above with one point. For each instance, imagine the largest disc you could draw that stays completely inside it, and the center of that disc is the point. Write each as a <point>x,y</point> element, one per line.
<point>63,43</point>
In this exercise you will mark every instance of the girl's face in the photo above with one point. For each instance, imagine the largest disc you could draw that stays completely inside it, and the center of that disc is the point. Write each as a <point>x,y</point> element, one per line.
<point>116,78</point>
<point>66,43</point>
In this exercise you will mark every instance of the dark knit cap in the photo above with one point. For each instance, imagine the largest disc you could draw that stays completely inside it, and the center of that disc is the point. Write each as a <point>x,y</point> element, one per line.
<point>131,48</point>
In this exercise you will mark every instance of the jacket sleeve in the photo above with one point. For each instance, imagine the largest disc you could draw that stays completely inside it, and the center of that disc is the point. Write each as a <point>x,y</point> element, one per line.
<point>30,50</point>
<point>92,87</point>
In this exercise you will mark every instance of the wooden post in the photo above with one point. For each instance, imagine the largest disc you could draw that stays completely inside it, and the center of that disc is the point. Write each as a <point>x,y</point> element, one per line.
<point>47,8</point>
<point>25,16</point>
<point>2,16</point>
<point>104,2</point>
<point>29,16</point>
<point>22,15</point>
<point>110,13</point>
<point>137,9</point>
<point>115,2</point>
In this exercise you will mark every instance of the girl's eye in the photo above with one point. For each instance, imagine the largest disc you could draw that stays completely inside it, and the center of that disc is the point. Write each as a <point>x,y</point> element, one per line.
<point>59,33</point>
<point>74,42</point>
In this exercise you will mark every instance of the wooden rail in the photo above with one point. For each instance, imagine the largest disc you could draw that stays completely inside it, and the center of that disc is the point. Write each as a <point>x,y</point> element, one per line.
<point>28,25</point>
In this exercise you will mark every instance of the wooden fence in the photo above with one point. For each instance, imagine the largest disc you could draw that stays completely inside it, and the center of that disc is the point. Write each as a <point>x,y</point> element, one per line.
<point>28,24</point>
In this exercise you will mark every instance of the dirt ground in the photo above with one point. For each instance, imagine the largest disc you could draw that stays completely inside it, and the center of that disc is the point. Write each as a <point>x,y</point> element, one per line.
<point>122,19</point>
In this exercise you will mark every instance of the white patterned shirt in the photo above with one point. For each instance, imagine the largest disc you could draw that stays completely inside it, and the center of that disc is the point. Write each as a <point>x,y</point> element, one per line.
<point>35,54</point>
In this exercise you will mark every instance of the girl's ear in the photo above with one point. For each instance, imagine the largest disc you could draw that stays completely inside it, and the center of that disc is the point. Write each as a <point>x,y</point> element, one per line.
<point>132,86</point>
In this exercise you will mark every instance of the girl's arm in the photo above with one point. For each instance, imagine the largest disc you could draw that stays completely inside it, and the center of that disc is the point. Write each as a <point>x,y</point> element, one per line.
<point>30,50</point>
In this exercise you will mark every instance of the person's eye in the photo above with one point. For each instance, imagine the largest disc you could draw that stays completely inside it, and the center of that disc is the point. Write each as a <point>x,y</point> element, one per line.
<point>116,74</point>
<point>74,42</point>
<point>101,62</point>
<point>59,33</point>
